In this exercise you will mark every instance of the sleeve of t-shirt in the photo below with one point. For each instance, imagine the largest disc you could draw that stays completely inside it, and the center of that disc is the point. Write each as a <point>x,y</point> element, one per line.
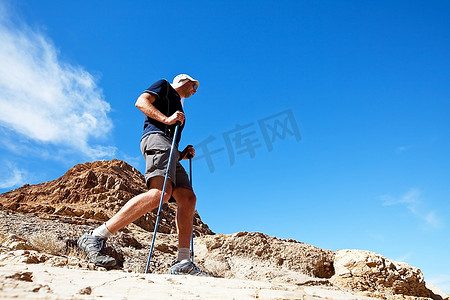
<point>158,89</point>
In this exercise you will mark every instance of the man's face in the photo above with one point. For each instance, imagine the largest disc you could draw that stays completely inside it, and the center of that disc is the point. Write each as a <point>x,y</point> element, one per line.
<point>189,89</point>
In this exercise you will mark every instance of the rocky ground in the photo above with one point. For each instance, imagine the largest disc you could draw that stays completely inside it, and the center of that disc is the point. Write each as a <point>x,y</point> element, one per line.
<point>44,282</point>
<point>39,260</point>
<point>39,227</point>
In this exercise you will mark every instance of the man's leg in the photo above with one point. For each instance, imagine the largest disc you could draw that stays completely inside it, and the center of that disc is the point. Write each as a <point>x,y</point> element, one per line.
<point>93,243</point>
<point>140,204</point>
<point>185,213</point>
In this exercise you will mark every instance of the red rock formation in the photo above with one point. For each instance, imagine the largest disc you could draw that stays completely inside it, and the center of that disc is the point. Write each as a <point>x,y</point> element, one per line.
<point>92,191</point>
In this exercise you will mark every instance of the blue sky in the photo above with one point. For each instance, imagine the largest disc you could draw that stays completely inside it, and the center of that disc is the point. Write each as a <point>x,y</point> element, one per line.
<point>353,97</point>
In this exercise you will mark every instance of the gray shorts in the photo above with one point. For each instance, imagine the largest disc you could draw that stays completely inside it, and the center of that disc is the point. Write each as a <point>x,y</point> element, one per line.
<point>156,150</point>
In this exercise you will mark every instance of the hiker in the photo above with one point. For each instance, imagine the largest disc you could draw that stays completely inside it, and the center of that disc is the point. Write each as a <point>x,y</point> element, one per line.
<point>162,105</point>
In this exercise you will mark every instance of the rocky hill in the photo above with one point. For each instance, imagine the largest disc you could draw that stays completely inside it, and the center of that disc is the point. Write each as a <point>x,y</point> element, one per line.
<point>92,192</point>
<point>39,226</point>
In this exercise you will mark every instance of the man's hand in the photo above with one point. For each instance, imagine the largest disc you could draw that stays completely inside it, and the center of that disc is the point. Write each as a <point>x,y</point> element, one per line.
<point>188,152</point>
<point>177,116</point>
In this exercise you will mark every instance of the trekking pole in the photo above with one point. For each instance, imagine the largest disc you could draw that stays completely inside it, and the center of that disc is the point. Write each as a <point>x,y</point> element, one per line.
<point>162,195</point>
<point>192,236</point>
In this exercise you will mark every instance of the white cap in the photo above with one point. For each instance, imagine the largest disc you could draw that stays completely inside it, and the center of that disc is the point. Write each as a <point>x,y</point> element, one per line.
<point>181,79</point>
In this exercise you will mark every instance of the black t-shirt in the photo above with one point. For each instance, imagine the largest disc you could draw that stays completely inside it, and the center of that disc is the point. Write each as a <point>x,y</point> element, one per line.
<point>167,102</point>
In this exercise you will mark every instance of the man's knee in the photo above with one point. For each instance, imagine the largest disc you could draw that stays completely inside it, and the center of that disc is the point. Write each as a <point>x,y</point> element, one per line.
<point>166,197</point>
<point>192,199</point>
<point>156,194</point>
<point>187,198</point>
<point>156,186</point>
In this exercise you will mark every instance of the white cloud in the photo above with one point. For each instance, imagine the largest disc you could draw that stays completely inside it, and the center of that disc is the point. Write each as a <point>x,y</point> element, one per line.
<point>432,219</point>
<point>402,149</point>
<point>410,198</point>
<point>377,236</point>
<point>442,282</point>
<point>12,176</point>
<point>45,99</point>
<point>412,201</point>
<point>404,258</point>
<point>135,161</point>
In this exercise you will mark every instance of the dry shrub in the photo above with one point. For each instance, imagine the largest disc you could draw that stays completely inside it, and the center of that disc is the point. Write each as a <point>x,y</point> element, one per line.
<point>74,251</point>
<point>48,243</point>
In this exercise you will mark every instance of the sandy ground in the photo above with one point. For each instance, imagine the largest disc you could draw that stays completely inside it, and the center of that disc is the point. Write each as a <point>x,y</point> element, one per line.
<point>37,281</point>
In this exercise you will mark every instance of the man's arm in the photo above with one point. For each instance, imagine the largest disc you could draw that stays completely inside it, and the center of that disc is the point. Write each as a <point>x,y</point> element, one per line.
<point>145,104</point>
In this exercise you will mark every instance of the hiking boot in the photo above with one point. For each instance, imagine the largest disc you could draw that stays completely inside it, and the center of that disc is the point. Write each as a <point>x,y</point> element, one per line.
<point>186,267</point>
<point>95,250</point>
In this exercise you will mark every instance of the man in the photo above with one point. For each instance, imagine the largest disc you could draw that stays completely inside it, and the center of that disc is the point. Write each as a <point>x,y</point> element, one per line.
<point>162,106</point>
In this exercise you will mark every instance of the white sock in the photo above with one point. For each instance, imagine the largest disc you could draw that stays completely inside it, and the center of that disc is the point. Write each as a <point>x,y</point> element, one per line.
<point>102,232</point>
<point>183,254</point>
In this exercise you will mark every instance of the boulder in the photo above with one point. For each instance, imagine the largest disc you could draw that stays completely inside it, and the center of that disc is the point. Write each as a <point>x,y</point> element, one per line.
<point>371,274</point>
<point>257,256</point>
